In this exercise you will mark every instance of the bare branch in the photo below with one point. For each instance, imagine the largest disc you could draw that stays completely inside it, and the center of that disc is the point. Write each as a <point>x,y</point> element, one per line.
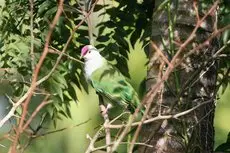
<point>42,104</point>
<point>35,74</point>
<point>22,99</point>
<point>59,130</point>
<point>107,130</point>
<point>93,140</point>
<point>160,117</point>
<point>66,45</point>
<point>55,51</point>
<point>122,143</point>
<point>164,58</point>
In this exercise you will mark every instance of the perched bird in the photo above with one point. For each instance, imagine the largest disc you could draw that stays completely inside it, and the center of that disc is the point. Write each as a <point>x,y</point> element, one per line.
<point>107,80</point>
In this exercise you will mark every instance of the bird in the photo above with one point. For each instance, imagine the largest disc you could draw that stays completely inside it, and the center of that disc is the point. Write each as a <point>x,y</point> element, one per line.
<point>107,80</point>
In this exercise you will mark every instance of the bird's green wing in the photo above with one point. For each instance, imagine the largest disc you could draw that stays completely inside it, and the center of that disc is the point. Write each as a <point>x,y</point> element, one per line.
<point>111,83</point>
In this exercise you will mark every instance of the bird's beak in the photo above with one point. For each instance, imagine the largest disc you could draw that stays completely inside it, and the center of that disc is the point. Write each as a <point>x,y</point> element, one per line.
<point>81,56</point>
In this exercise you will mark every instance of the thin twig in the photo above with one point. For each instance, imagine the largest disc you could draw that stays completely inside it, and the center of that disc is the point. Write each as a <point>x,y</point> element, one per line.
<point>153,92</point>
<point>164,58</point>
<point>221,49</point>
<point>35,74</point>
<point>56,51</point>
<point>59,130</point>
<point>98,133</point>
<point>206,42</point>
<point>107,130</point>
<point>122,143</point>
<point>66,45</point>
<point>32,34</point>
<point>40,106</point>
<point>124,132</point>
<point>93,140</point>
<point>22,99</point>
<point>161,117</point>
<point>196,10</point>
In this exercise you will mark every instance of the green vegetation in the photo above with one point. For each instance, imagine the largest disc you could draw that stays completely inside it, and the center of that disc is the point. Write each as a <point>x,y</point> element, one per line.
<point>70,116</point>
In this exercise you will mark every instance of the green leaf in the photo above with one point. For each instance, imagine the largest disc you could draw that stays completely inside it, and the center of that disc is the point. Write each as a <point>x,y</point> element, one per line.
<point>72,90</point>
<point>134,37</point>
<point>224,85</point>
<point>82,40</point>
<point>55,88</point>
<point>122,66</point>
<point>121,41</point>
<point>44,6</point>
<point>123,52</point>
<point>59,78</point>
<point>99,7</point>
<point>103,38</point>
<point>224,147</point>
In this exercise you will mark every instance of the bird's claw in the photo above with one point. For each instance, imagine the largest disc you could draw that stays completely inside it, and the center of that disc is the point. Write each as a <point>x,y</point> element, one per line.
<point>104,110</point>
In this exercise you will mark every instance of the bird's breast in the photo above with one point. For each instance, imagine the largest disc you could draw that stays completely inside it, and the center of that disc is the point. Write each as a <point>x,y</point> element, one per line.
<point>91,66</point>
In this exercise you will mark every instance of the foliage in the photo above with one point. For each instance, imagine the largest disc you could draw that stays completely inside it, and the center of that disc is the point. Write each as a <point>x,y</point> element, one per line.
<point>126,23</point>
<point>129,21</point>
<point>224,63</point>
<point>16,52</point>
<point>224,147</point>
<point>121,24</point>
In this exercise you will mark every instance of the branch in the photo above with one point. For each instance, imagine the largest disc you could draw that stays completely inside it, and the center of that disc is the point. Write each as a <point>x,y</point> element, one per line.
<point>59,130</point>
<point>13,109</point>
<point>164,58</point>
<point>107,130</point>
<point>124,132</point>
<point>36,72</point>
<point>93,140</point>
<point>206,42</point>
<point>221,49</point>
<point>160,117</point>
<point>22,99</point>
<point>199,22</point>
<point>122,143</point>
<point>153,92</point>
<point>32,34</point>
<point>98,133</point>
<point>56,51</point>
<point>66,45</point>
<point>42,104</point>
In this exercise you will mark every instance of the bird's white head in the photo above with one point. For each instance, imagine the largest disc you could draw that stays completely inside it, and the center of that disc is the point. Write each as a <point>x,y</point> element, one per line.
<point>93,59</point>
<point>89,52</point>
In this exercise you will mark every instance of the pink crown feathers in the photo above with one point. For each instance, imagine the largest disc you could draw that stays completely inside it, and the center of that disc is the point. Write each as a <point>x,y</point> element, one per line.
<point>84,50</point>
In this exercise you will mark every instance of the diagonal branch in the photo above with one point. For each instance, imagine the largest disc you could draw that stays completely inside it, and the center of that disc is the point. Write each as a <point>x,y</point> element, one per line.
<point>153,92</point>
<point>161,117</point>
<point>35,74</point>
<point>23,98</point>
<point>40,106</point>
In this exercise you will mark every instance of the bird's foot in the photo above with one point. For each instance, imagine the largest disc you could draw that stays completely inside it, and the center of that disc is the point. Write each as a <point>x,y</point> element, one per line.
<point>104,110</point>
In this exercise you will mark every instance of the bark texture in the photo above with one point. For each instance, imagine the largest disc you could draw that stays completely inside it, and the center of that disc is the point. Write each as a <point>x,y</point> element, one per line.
<point>192,83</point>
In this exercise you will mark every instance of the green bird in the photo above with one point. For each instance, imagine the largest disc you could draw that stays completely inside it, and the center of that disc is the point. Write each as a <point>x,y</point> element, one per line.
<point>107,80</point>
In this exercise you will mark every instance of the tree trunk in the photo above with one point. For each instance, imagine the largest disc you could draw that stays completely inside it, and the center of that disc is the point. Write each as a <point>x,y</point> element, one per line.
<point>191,83</point>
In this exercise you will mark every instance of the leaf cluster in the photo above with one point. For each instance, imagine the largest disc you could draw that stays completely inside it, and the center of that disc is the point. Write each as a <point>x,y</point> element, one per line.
<point>120,27</point>
<point>224,62</point>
